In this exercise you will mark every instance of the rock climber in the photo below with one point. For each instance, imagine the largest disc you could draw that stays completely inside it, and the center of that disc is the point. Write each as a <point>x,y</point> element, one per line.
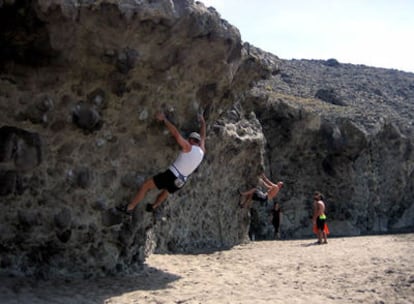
<point>255,194</point>
<point>171,180</point>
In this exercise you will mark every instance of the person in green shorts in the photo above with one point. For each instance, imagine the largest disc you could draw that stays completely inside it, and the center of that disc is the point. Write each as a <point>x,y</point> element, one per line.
<point>319,218</point>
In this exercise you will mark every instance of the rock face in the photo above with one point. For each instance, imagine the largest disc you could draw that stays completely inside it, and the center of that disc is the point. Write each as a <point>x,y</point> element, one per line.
<point>80,83</point>
<point>346,131</point>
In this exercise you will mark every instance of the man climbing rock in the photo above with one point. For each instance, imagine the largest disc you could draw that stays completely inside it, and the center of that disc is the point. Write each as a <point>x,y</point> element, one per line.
<point>174,178</point>
<point>255,194</point>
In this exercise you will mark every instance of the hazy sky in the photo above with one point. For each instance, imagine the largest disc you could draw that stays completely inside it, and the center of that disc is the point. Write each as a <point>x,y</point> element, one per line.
<point>376,33</point>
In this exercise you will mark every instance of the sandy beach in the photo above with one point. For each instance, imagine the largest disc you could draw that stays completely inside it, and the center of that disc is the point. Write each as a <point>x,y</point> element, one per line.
<point>369,269</point>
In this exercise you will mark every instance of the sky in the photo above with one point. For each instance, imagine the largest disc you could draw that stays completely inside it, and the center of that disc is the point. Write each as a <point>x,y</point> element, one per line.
<point>378,33</point>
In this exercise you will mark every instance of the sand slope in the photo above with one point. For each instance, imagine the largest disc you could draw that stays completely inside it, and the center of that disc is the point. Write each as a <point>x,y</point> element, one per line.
<point>372,269</point>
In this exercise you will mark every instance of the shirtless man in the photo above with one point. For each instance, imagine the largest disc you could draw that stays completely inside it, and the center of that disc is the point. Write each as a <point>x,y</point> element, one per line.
<point>255,194</point>
<point>319,217</point>
<point>191,154</point>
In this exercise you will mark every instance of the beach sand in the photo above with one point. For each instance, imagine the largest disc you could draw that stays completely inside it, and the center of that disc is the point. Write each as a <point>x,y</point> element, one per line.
<point>369,269</point>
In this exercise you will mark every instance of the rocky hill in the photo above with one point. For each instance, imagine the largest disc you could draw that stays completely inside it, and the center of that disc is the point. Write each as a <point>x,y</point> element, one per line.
<point>347,131</point>
<point>80,83</point>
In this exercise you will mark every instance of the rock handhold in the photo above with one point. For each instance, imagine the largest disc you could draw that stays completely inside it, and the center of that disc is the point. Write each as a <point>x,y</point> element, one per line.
<point>21,147</point>
<point>87,117</point>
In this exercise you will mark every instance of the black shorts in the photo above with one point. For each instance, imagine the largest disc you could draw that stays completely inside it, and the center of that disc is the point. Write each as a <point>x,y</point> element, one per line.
<point>166,181</point>
<point>320,224</point>
<point>259,196</point>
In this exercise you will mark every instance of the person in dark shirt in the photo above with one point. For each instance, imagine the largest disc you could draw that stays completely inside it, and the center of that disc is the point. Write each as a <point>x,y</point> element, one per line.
<point>276,219</point>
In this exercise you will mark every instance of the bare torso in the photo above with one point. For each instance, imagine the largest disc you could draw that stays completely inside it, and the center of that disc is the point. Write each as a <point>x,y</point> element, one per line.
<point>319,208</point>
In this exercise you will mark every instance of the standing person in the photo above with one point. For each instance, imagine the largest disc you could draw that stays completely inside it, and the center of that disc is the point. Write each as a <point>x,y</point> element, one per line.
<point>254,228</point>
<point>174,178</point>
<point>255,194</point>
<point>276,219</point>
<point>319,218</point>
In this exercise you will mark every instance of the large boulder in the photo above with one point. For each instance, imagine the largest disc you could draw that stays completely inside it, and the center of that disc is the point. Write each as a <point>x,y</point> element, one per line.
<point>80,85</point>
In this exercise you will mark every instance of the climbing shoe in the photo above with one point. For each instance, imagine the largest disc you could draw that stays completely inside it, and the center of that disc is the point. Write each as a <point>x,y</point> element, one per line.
<point>124,209</point>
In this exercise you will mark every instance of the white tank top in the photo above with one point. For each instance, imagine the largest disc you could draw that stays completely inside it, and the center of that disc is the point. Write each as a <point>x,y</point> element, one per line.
<point>186,163</point>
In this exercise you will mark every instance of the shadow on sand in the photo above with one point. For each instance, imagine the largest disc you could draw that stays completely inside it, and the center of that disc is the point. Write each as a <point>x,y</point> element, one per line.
<point>98,290</point>
<point>312,244</point>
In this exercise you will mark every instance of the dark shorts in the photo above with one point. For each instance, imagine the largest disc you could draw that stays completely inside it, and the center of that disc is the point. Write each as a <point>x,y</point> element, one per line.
<point>320,224</point>
<point>276,219</point>
<point>166,181</point>
<point>276,223</point>
<point>259,196</point>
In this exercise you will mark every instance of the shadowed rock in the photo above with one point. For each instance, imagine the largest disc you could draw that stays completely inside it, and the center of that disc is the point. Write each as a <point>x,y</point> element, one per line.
<point>21,147</point>
<point>86,117</point>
